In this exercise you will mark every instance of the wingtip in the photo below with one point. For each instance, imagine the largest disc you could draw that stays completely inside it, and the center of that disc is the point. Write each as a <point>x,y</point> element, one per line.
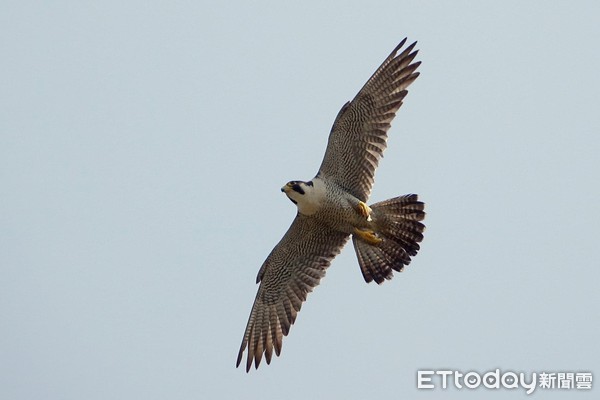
<point>240,356</point>
<point>407,52</point>
<point>397,48</point>
<point>248,363</point>
<point>239,360</point>
<point>403,42</point>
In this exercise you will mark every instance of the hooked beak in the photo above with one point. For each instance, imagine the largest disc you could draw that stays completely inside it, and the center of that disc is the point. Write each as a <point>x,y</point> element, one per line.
<point>285,188</point>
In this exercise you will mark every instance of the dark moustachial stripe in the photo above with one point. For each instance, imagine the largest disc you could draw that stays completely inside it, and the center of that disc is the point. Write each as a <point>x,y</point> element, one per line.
<point>297,188</point>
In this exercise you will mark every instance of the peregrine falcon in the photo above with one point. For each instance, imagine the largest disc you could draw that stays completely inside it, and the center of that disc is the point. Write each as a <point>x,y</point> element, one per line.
<point>333,206</point>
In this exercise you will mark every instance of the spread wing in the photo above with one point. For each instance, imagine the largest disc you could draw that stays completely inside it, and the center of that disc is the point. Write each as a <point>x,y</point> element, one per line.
<point>290,272</point>
<point>359,133</point>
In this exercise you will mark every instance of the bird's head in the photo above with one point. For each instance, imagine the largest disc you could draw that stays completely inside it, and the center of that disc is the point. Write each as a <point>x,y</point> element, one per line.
<point>296,191</point>
<point>308,196</point>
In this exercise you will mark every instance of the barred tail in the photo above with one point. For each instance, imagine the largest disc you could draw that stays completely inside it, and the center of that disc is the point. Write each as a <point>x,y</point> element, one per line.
<point>397,223</point>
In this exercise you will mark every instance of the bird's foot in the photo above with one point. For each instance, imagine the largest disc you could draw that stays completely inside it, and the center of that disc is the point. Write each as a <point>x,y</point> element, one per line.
<point>365,210</point>
<point>368,236</point>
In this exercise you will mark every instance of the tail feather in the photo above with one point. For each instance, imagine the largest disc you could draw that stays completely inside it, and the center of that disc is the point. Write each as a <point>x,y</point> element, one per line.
<point>397,223</point>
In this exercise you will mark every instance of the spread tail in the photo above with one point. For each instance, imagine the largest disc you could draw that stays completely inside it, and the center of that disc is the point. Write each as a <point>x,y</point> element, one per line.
<point>398,231</point>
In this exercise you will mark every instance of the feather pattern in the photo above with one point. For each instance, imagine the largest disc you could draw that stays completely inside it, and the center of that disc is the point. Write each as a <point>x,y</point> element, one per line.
<point>359,134</point>
<point>398,222</point>
<point>294,267</point>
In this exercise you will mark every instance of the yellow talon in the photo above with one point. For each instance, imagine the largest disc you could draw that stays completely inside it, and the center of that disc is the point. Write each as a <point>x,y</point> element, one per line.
<point>368,236</point>
<point>365,210</point>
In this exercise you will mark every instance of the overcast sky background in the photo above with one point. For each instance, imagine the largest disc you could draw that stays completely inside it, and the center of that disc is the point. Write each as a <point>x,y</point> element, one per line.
<point>143,145</point>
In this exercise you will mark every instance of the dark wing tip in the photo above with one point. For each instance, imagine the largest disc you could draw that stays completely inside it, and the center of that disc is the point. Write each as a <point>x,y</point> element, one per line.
<point>399,46</point>
<point>405,51</point>
<point>249,362</point>
<point>240,355</point>
<point>412,46</point>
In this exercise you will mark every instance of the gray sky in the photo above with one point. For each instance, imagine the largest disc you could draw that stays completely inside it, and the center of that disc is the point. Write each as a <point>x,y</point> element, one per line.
<point>143,145</point>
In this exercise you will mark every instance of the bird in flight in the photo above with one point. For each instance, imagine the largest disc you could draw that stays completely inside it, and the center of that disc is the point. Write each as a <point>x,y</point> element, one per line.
<point>333,207</point>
